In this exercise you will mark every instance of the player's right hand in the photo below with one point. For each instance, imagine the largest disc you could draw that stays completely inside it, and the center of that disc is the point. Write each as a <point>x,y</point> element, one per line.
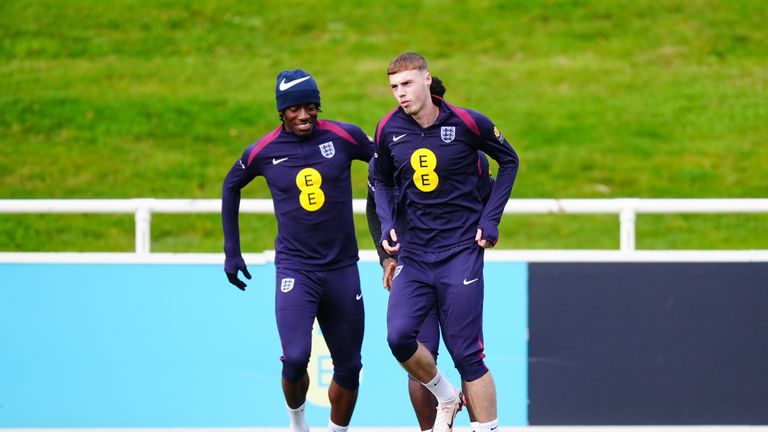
<point>391,246</point>
<point>233,264</point>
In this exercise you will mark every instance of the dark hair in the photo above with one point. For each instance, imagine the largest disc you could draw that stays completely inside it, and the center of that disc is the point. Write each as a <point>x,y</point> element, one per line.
<point>437,88</point>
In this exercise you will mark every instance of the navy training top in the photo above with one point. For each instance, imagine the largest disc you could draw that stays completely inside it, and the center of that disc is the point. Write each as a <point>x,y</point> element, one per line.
<point>426,180</point>
<point>309,178</point>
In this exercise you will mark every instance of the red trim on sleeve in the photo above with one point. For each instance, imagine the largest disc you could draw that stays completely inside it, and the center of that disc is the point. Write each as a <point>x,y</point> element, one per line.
<point>382,123</point>
<point>466,118</point>
<point>338,130</point>
<point>268,138</point>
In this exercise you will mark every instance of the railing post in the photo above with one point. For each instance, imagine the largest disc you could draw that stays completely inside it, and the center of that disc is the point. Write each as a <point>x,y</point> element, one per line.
<point>143,219</point>
<point>627,227</point>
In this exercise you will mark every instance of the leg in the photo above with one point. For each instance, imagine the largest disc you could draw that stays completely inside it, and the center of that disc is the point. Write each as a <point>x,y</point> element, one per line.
<point>421,365</point>
<point>295,397</point>
<point>295,309</point>
<point>342,403</point>
<point>411,299</point>
<point>296,393</point>
<point>461,317</point>
<point>423,401</point>
<point>481,398</point>
<point>341,316</point>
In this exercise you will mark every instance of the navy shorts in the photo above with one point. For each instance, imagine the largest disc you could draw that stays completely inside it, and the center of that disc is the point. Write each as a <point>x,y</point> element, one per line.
<point>335,299</point>
<point>429,333</point>
<point>452,282</point>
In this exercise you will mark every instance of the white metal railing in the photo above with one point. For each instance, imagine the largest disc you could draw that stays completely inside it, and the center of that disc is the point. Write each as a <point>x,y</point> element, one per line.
<point>626,208</point>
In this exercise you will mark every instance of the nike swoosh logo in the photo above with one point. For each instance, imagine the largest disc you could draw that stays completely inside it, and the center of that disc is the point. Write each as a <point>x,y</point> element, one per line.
<point>277,161</point>
<point>286,85</point>
<point>358,297</point>
<point>467,282</point>
<point>397,138</point>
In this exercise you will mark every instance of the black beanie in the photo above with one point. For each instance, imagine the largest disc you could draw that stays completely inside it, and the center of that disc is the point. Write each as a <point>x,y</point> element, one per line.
<point>295,87</point>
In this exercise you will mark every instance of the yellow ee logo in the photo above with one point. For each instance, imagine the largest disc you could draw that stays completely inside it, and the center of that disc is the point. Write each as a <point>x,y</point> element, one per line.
<point>424,163</point>
<point>309,181</point>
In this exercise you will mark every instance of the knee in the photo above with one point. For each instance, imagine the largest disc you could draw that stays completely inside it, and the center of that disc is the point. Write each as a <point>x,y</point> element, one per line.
<point>471,367</point>
<point>295,364</point>
<point>347,373</point>
<point>402,342</point>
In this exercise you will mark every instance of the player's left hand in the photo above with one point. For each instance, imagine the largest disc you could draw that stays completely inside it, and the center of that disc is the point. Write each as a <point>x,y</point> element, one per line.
<point>389,265</point>
<point>233,264</point>
<point>485,242</point>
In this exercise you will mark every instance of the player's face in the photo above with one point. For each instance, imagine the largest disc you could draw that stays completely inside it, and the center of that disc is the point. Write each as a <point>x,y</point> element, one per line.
<point>300,119</point>
<point>411,89</point>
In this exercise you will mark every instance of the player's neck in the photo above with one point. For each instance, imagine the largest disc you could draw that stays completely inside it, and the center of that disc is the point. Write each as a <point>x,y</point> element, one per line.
<point>427,116</point>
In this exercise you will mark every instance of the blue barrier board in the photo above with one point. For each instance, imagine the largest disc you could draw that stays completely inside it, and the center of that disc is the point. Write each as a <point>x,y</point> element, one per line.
<point>174,345</point>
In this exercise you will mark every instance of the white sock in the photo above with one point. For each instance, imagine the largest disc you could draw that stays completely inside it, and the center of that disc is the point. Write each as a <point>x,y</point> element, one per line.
<point>473,426</point>
<point>441,388</point>
<point>298,423</point>
<point>491,426</point>
<point>333,427</point>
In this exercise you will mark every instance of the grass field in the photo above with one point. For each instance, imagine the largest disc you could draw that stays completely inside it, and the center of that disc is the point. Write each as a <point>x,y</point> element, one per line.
<point>127,99</point>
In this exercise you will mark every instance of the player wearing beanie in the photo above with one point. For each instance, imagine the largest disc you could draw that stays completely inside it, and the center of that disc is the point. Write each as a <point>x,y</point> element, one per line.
<point>306,164</point>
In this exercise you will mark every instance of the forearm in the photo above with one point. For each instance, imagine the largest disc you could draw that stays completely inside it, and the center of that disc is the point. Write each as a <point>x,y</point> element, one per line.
<point>500,192</point>
<point>385,210</point>
<point>374,226</point>
<point>230,210</point>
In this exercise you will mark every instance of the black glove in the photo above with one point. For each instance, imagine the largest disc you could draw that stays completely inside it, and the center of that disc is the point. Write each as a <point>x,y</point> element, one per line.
<point>231,267</point>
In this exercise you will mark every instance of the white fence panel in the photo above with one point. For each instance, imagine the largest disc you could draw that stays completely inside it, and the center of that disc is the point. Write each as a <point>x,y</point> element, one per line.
<point>626,208</point>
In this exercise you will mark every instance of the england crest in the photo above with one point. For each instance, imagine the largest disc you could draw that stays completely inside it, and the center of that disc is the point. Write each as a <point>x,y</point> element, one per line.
<point>448,133</point>
<point>327,149</point>
<point>287,284</point>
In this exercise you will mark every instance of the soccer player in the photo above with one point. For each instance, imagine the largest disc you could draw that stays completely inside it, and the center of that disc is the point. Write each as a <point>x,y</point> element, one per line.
<point>426,158</point>
<point>423,401</point>
<point>306,163</point>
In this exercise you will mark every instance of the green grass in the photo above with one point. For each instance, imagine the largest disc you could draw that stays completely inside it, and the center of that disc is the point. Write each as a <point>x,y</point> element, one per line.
<point>601,99</point>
